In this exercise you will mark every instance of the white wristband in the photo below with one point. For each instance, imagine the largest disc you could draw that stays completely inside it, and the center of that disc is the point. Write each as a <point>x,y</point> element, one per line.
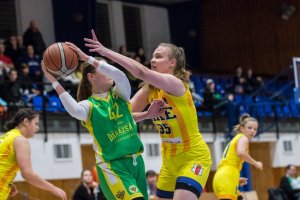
<point>55,84</point>
<point>91,60</point>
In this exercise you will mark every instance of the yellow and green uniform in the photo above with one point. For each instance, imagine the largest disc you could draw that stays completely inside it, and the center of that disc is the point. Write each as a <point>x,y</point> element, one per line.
<point>8,162</point>
<point>226,179</point>
<point>117,146</point>
<point>186,156</point>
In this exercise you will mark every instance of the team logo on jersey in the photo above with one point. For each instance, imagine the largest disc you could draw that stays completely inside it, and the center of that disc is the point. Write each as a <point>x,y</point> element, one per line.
<point>120,194</point>
<point>197,169</point>
<point>133,189</point>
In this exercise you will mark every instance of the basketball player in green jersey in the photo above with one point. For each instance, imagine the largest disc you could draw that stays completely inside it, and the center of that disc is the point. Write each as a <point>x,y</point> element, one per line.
<point>103,105</point>
<point>185,155</point>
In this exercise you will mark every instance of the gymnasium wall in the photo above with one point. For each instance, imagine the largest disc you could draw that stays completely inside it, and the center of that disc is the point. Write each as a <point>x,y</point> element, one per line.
<point>248,33</point>
<point>41,12</point>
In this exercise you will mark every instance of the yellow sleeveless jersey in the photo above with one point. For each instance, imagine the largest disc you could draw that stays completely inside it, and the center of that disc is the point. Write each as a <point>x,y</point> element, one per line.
<point>230,157</point>
<point>8,163</point>
<point>178,126</point>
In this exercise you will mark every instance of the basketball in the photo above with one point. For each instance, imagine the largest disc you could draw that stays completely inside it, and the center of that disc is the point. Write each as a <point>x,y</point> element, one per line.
<point>60,60</point>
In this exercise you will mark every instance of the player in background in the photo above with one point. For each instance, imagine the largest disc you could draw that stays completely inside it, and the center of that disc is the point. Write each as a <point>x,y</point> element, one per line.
<point>227,178</point>
<point>15,155</point>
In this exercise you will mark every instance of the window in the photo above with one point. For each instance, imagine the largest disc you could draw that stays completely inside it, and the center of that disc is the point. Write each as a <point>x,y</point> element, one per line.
<point>153,150</point>
<point>287,146</point>
<point>102,28</point>
<point>133,28</point>
<point>63,152</point>
<point>7,18</point>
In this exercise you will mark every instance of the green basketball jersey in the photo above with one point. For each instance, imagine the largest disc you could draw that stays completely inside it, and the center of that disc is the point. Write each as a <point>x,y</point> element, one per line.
<point>111,124</point>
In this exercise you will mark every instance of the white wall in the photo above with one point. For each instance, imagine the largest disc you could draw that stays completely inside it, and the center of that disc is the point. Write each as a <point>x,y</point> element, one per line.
<point>154,20</point>
<point>46,166</point>
<point>151,163</point>
<point>41,12</point>
<point>44,162</point>
<point>155,25</point>
<point>281,158</point>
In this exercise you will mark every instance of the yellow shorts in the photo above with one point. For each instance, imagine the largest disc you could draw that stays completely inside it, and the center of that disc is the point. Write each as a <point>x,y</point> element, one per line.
<point>226,182</point>
<point>189,168</point>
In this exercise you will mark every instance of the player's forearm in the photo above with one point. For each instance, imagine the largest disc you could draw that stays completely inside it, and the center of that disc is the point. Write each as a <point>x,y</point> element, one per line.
<point>119,77</point>
<point>73,107</point>
<point>140,116</point>
<point>246,157</point>
<point>134,67</point>
<point>35,180</point>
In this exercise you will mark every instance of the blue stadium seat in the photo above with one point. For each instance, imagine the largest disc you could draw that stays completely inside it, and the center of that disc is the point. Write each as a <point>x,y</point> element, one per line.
<point>37,102</point>
<point>55,104</point>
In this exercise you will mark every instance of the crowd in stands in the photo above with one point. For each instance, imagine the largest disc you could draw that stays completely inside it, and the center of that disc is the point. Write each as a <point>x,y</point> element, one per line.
<point>21,81</point>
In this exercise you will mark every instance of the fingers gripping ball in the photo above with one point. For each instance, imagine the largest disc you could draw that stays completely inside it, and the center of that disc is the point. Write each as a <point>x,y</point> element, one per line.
<point>60,59</point>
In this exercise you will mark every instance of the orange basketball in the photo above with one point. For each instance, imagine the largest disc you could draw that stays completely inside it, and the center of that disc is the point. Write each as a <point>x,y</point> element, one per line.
<point>60,59</point>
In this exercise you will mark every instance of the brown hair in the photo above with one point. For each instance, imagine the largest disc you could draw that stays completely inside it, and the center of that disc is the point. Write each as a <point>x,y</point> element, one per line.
<point>244,118</point>
<point>84,89</point>
<point>180,71</point>
<point>20,116</point>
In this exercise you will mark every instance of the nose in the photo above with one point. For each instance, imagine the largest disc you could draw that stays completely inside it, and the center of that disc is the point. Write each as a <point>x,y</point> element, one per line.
<point>152,60</point>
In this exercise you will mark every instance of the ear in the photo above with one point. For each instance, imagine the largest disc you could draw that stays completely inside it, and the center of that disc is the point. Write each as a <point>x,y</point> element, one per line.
<point>25,121</point>
<point>90,76</point>
<point>242,129</point>
<point>173,62</point>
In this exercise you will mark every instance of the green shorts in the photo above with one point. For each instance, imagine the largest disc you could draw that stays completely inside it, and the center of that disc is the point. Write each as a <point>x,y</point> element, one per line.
<point>123,178</point>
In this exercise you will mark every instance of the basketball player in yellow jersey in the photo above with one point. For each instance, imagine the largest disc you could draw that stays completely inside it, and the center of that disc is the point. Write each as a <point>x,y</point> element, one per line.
<point>15,155</point>
<point>186,156</point>
<point>227,178</point>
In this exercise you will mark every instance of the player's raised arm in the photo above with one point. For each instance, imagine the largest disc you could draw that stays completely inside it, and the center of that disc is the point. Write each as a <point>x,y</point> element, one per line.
<point>161,74</point>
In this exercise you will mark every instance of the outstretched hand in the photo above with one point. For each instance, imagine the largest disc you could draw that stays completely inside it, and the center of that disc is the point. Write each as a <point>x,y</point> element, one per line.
<point>81,55</point>
<point>94,45</point>
<point>156,108</point>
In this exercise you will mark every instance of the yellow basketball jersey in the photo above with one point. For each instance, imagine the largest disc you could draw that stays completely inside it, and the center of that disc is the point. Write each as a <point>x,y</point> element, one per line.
<point>230,156</point>
<point>178,126</point>
<point>8,163</point>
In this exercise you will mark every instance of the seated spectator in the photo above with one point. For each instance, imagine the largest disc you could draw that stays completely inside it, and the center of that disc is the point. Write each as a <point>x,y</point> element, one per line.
<point>210,96</point>
<point>13,51</point>
<point>198,100</point>
<point>151,178</point>
<point>20,43</point>
<point>238,81</point>
<point>3,72</point>
<point>141,53</point>
<point>11,89</point>
<point>33,37</point>
<point>28,87</point>
<point>33,61</point>
<point>289,183</point>
<point>6,61</point>
<point>87,188</point>
<point>123,50</point>
<point>252,82</point>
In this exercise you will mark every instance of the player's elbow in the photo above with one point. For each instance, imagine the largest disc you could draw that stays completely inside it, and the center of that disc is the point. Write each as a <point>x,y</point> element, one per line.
<point>26,174</point>
<point>241,153</point>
